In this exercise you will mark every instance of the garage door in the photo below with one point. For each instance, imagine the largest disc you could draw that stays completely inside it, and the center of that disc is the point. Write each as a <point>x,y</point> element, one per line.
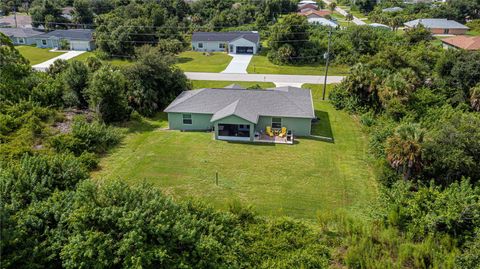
<point>79,45</point>
<point>244,50</point>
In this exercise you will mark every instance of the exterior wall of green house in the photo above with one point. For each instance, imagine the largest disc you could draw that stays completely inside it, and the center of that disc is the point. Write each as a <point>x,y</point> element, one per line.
<point>199,122</point>
<point>234,120</point>
<point>299,126</point>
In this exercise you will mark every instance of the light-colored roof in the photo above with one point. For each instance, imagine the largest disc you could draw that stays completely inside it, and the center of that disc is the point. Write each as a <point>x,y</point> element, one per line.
<point>303,2</point>
<point>392,9</point>
<point>464,42</point>
<point>322,21</point>
<point>436,24</point>
<point>19,32</point>
<point>234,86</point>
<point>252,36</point>
<point>379,25</point>
<point>246,104</point>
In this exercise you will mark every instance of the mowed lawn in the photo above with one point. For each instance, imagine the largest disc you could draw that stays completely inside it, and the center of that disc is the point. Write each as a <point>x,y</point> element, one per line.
<point>296,180</point>
<point>261,65</point>
<point>193,61</point>
<point>37,55</point>
<point>199,84</point>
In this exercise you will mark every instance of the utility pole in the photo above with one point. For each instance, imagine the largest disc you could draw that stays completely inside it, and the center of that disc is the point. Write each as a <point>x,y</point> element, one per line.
<point>15,14</point>
<point>327,57</point>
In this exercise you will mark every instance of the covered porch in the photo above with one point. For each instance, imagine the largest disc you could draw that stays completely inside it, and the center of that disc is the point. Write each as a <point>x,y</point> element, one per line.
<point>274,136</point>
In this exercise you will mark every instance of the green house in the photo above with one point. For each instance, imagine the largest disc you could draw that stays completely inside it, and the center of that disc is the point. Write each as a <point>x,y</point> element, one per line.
<point>237,114</point>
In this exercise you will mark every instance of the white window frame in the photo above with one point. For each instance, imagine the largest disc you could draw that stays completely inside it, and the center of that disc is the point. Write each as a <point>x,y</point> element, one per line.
<point>275,123</point>
<point>44,42</point>
<point>200,45</point>
<point>222,46</point>
<point>187,117</point>
<point>21,40</point>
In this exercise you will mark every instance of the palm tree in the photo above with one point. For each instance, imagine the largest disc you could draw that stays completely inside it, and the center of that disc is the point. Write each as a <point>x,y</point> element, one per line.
<point>475,98</point>
<point>404,149</point>
<point>332,6</point>
<point>349,17</point>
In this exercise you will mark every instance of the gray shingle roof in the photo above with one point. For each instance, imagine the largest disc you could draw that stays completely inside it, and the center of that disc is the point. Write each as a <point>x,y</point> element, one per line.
<point>71,34</point>
<point>252,36</point>
<point>19,32</point>
<point>246,104</point>
<point>436,24</point>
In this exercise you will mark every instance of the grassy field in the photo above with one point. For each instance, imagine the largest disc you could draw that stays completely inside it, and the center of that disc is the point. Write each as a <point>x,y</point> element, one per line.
<point>300,180</point>
<point>37,55</point>
<point>192,61</point>
<point>356,13</point>
<point>199,84</point>
<point>317,90</point>
<point>115,61</point>
<point>261,65</point>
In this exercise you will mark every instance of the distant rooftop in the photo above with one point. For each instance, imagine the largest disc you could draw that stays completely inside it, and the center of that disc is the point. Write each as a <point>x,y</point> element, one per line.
<point>436,24</point>
<point>252,36</point>
<point>392,9</point>
<point>19,32</point>
<point>246,104</point>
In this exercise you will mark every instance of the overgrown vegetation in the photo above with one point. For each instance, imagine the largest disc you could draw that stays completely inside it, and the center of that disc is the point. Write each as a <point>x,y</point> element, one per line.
<point>419,104</point>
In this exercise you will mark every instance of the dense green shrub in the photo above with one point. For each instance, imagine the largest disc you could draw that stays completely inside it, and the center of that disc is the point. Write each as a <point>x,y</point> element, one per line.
<point>86,136</point>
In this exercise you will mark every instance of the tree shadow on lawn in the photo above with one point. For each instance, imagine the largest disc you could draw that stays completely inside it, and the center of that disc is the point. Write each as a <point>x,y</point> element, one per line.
<point>322,129</point>
<point>182,60</point>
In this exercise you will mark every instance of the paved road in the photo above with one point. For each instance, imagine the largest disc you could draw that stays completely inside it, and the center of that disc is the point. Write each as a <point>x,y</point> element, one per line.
<point>239,64</point>
<point>283,80</point>
<point>66,56</point>
<point>342,11</point>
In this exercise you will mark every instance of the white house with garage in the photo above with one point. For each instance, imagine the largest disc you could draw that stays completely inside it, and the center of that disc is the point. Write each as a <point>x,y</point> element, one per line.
<point>240,42</point>
<point>73,39</point>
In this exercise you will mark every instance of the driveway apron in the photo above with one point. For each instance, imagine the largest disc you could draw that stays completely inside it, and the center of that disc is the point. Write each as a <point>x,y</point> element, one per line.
<point>239,64</point>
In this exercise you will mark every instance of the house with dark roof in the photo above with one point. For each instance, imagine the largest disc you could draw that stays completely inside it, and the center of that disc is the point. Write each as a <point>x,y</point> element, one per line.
<point>21,36</point>
<point>439,26</point>
<point>237,114</point>
<point>74,39</point>
<point>462,42</point>
<point>240,42</point>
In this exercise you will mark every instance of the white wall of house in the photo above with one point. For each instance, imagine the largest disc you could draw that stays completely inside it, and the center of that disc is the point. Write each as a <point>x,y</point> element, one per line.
<point>213,46</point>
<point>209,46</point>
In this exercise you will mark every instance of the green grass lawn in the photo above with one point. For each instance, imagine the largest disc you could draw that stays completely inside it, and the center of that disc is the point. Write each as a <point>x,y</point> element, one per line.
<point>193,61</point>
<point>356,13</point>
<point>37,55</point>
<point>199,84</point>
<point>114,61</point>
<point>261,65</point>
<point>295,180</point>
<point>317,90</point>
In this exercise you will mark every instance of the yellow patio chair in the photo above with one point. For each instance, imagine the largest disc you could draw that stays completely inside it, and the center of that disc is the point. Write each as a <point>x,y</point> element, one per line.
<point>283,133</point>
<point>268,131</point>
